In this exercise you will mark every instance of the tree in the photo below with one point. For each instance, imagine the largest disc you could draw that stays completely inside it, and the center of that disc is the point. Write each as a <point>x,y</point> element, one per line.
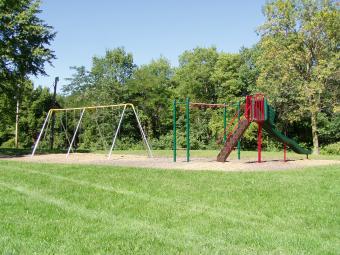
<point>194,74</point>
<point>110,74</point>
<point>34,105</point>
<point>150,89</point>
<point>24,41</point>
<point>106,82</point>
<point>227,78</point>
<point>80,81</point>
<point>34,110</point>
<point>248,71</point>
<point>299,55</point>
<point>78,89</point>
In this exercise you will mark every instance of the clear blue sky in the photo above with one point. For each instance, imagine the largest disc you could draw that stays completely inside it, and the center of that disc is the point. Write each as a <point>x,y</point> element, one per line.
<point>146,28</point>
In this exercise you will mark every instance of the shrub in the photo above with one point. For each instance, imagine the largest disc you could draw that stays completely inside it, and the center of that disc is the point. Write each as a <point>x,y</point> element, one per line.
<point>163,143</point>
<point>9,143</point>
<point>333,149</point>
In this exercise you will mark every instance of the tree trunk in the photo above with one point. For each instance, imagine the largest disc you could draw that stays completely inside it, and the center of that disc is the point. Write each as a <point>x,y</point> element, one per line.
<point>315,132</point>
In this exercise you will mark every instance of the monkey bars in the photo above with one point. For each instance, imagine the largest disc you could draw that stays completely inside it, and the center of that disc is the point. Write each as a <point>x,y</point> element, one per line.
<point>189,105</point>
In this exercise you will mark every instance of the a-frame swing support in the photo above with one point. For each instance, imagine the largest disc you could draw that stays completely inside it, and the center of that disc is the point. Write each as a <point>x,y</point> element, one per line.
<point>49,114</point>
<point>41,132</point>
<point>75,132</point>
<point>117,131</point>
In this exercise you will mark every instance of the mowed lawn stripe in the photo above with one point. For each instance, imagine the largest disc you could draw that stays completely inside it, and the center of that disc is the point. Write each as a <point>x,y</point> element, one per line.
<point>213,196</point>
<point>204,207</point>
<point>171,214</point>
<point>115,221</point>
<point>102,224</point>
<point>185,205</point>
<point>182,209</point>
<point>235,216</point>
<point>289,207</point>
<point>178,238</point>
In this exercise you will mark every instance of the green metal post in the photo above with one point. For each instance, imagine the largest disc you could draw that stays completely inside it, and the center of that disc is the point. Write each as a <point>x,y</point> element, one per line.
<point>265,109</point>
<point>238,142</point>
<point>174,131</point>
<point>187,106</point>
<point>225,122</point>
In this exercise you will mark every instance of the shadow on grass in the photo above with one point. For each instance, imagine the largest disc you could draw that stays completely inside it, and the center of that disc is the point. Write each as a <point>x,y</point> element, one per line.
<point>14,152</point>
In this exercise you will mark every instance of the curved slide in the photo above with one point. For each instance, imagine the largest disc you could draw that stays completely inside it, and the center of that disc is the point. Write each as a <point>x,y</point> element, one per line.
<point>270,127</point>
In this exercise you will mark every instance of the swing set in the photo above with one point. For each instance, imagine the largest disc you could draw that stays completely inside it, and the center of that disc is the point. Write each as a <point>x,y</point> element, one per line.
<point>71,140</point>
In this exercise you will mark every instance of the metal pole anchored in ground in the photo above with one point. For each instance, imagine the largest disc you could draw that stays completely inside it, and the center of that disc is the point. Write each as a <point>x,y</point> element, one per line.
<point>174,131</point>
<point>238,142</point>
<point>187,108</point>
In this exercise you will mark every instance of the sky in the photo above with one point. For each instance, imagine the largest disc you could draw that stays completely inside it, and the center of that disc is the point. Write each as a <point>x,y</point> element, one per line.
<point>148,29</point>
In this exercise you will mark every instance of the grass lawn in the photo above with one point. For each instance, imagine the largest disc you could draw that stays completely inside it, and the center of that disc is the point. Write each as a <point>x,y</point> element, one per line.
<point>71,209</point>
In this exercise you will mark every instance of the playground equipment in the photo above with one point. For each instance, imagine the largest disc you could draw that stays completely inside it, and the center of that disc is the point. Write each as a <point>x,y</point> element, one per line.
<point>52,112</point>
<point>189,105</point>
<point>256,109</point>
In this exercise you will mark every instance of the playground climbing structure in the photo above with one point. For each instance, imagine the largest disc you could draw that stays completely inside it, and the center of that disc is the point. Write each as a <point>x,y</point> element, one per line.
<point>256,109</point>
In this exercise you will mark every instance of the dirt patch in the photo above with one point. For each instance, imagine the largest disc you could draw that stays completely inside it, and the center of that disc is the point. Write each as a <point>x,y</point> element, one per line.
<point>167,163</point>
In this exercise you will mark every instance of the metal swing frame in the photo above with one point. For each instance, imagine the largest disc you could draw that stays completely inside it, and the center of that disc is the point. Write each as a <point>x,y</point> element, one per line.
<point>89,108</point>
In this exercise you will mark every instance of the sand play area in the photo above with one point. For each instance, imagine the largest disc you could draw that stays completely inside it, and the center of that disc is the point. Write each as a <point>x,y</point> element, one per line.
<point>167,162</point>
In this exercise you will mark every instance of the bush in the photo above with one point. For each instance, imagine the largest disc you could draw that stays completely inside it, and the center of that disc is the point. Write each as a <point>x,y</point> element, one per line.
<point>9,143</point>
<point>128,143</point>
<point>333,149</point>
<point>163,143</point>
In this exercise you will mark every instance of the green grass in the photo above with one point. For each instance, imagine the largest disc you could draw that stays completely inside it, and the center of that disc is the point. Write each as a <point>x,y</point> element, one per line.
<point>71,209</point>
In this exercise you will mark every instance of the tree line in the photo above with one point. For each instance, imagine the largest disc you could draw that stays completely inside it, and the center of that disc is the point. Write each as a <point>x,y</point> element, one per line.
<point>295,64</point>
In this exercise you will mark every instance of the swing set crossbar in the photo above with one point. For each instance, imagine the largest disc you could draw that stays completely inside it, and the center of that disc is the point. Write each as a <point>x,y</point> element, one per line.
<point>90,107</point>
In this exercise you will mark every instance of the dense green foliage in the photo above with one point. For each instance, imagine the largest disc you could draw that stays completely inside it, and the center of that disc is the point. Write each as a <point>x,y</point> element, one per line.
<point>65,209</point>
<point>332,149</point>
<point>33,109</point>
<point>300,51</point>
<point>295,64</point>
<point>24,41</point>
<point>24,51</point>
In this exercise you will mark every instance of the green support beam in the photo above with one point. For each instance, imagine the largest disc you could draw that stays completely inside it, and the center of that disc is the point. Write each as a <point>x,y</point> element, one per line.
<point>224,122</point>
<point>187,125</point>
<point>174,131</point>
<point>238,142</point>
<point>187,111</point>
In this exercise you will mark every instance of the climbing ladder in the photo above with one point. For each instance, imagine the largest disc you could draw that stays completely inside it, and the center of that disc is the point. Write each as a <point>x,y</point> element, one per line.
<point>253,111</point>
<point>232,139</point>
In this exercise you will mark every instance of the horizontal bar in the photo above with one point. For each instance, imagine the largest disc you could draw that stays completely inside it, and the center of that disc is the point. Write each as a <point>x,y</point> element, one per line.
<point>208,105</point>
<point>90,107</point>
